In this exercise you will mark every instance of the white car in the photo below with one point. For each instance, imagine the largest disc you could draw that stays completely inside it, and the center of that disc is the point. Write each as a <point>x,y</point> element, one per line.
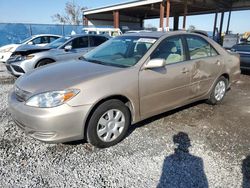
<point>39,40</point>
<point>137,31</point>
<point>112,32</point>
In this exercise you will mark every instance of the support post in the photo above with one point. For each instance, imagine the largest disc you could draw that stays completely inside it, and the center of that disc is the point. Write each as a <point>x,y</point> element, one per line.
<point>116,19</point>
<point>221,27</point>
<point>161,16</point>
<point>176,22</point>
<point>30,29</point>
<point>228,21</point>
<point>85,21</point>
<point>184,15</point>
<point>167,14</point>
<point>215,24</point>
<point>141,23</point>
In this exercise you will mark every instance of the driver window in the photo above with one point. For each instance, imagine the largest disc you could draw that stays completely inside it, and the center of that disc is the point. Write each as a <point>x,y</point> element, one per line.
<point>80,42</point>
<point>170,49</point>
<point>44,40</point>
<point>36,40</point>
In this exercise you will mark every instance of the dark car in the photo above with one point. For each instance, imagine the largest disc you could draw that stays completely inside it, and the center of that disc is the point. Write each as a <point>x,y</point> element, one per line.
<point>244,50</point>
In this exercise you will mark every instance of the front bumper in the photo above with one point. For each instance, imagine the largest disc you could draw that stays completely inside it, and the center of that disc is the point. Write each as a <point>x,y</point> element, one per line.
<point>14,69</point>
<point>18,68</point>
<point>53,125</point>
<point>5,56</point>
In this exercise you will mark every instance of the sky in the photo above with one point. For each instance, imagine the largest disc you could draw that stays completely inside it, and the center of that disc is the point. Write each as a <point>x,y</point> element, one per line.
<point>40,11</point>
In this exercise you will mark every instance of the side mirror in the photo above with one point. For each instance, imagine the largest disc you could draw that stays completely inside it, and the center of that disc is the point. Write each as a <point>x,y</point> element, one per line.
<point>30,43</point>
<point>155,63</point>
<point>68,48</point>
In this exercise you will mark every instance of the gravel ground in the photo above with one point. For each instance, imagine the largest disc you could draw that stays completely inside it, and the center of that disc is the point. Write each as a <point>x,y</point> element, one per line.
<point>195,146</point>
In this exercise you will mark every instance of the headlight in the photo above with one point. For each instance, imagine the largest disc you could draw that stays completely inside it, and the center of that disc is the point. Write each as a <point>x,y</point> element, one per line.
<point>7,49</point>
<point>52,98</point>
<point>16,58</point>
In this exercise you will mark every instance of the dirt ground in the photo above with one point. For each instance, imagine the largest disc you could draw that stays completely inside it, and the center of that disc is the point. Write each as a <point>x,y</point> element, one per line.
<point>194,146</point>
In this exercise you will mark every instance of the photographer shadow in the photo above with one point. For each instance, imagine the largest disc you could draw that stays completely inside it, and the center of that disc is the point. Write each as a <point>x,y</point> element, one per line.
<point>182,169</point>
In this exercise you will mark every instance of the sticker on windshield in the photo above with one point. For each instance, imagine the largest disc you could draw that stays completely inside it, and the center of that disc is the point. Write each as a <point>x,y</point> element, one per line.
<point>147,40</point>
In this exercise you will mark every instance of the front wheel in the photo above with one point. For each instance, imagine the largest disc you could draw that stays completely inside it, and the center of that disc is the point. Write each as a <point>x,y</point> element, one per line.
<point>219,91</point>
<point>108,124</point>
<point>44,62</point>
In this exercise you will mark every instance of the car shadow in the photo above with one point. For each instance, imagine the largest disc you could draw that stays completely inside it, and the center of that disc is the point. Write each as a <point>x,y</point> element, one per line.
<point>182,169</point>
<point>142,123</point>
<point>246,172</point>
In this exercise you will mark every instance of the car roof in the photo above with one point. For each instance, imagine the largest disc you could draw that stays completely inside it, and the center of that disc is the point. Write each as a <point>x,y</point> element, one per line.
<point>155,34</point>
<point>40,35</point>
<point>81,35</point>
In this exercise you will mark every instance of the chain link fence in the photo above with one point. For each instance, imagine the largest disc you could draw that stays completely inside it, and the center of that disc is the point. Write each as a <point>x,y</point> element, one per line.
<point>16,32</point>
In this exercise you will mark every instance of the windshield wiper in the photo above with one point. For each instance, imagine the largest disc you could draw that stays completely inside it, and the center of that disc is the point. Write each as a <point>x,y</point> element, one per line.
<point>94,61</point>
<point>103,63</point>
<point>82,58</point>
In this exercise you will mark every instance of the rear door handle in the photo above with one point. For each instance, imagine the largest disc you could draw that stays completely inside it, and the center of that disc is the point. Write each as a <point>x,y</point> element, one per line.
<point>185,70</point>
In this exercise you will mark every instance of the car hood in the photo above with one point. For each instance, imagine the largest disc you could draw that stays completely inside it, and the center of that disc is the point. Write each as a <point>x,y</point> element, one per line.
<point>12,46</point>
<point>61,76</point>
<point>244,47</point>
<point>27,49</point>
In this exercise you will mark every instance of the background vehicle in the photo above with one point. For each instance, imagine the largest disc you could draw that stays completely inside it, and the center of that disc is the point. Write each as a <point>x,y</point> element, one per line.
<point>244,50</point>
<point>39,40</point>
<point>112,32</point>
<point>230,40</point>
<point>26,58</point>
<point>137,31</point>
<point>127,79</point>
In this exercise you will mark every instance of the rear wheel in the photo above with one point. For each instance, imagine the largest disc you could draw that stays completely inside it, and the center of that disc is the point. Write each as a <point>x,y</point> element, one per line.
<point>219,91</point>
<point>44,62</point>
<point>108,124</point>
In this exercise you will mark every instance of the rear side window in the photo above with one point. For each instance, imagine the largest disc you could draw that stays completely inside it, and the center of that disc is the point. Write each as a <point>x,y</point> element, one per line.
<point>199,48</point>
<point>97,40</point>
<point>170,49</point>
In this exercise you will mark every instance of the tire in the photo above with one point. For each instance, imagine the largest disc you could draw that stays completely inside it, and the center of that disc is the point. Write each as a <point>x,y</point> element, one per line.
<point>216,96</point>
<point>44,62</point>
<point>108,124</point>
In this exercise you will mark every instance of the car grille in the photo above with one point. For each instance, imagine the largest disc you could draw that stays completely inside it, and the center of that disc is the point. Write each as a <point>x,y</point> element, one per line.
<point>18,69</point>
<point>8,68</point>
<point>21,95</point>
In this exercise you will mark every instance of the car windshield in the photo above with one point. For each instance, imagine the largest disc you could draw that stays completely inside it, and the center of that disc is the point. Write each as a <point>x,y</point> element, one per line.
<point>123,51</point>
<point>58,42</point>
<point>25,40</point>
